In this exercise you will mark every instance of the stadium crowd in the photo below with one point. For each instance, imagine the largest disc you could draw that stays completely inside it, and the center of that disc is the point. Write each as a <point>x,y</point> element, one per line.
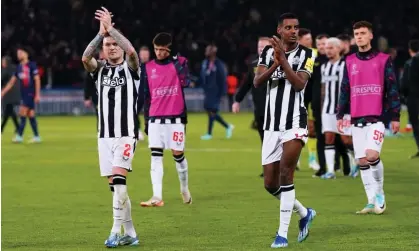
<point>57,31</point>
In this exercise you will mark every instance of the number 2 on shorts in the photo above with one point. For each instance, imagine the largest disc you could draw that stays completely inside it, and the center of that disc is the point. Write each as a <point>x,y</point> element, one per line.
<point>127,150</point>
<point>178,137</point>
<point>378,135</point>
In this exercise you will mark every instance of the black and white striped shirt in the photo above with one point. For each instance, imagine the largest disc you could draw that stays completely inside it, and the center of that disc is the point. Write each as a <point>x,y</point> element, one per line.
<point>118,87</point>
<point>284,107</point>
<point>332,75</point>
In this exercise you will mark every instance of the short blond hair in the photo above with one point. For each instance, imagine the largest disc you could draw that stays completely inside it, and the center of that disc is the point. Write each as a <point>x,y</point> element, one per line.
<point>334,41</point>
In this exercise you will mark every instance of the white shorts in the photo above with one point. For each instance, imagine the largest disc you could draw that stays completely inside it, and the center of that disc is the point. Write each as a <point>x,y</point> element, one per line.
<point>272,146</point>
<point>117,152</point>
<point>329,124</point>
<point>166,136</point>
<point>367,137</point>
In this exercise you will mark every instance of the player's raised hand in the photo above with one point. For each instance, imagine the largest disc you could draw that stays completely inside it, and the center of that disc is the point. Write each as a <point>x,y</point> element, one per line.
<point>340,125</point>
<point>105,17</point>
<point>279,48</point>
<point>102,30</point>
<point>274,44</point>
<point>279,51</point>
<point>395,126</point>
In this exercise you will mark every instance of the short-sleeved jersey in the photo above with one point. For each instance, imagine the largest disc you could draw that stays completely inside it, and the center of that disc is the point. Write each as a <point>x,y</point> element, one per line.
<point>118,87</point>
<point>332,75</point>
<point>25,74</point>
<point>284,108</point>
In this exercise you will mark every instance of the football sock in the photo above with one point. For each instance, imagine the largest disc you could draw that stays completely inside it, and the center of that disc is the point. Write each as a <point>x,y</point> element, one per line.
<point>329,152</point>
<point>156,172</point>
<point>34,126</point>
<point>369,183</point>
<point>127,222</point>
<point>300,209</point>
<point>119,202</point>
<point>377,169</point>
<point>22,126</point>
<point>286,206</point>
<point>182,170</point>
<point>211,118</point>
<point>220,119</point>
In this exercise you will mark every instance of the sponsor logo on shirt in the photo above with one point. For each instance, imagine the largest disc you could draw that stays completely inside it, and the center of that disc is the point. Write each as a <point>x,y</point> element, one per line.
<point>165,91</point>
<point>113,82</point>
<point>363,90</point>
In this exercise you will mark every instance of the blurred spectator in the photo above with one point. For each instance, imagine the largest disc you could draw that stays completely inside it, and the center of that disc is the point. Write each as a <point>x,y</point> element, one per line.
<point>59,30</point>
<point>232,84</point>
<point>410,88</point>
<point>305,37</point>
<point>213,79</point>
<point>144,54</point>
<point>12,98</point>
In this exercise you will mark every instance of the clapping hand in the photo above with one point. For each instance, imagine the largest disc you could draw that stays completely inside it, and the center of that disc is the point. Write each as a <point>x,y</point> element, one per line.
<point>105,18</point>
<point>279,50</point>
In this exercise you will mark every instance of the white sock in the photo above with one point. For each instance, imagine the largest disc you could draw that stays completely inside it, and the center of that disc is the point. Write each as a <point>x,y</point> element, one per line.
<point>156,173</point>
<point>182,170</point>
<point>127,222</point>
<point>377,169</point>
<point>369,183</point>
<point>119,202</point>
<point>329,153</point>
<point>287,203</point>
<point>300,209</point>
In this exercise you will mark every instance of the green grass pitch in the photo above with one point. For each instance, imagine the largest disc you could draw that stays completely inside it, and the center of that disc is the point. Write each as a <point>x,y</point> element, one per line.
<point>54,199</point>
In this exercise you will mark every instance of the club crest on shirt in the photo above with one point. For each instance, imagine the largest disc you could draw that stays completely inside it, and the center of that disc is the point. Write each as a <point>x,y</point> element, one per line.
<point>22,75</point>
<point>154,73</point>
<point>296,60</point>
<point>354,69</point>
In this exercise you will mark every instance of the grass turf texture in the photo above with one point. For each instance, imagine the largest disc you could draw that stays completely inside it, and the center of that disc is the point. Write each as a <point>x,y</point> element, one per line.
<point>54,199</point>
